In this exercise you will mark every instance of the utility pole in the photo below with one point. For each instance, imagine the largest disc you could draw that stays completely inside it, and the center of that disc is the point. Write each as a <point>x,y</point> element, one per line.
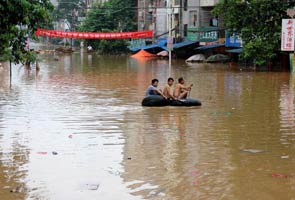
<point>170,38</point>
<point>155,20</point>
<point>144,13</point>
<point>10,73</point>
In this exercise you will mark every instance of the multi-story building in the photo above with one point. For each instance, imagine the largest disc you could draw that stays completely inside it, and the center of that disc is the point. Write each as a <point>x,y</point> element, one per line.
<point>152,15</point>
<point>206,17</point>
<point>187,16</point>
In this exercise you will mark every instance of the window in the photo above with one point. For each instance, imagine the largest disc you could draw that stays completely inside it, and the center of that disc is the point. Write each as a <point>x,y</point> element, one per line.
<point>176,2</point>
<point>185,5</point>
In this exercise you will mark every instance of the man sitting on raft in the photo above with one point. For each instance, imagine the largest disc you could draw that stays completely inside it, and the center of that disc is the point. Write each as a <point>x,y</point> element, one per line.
<point>153,90</point>
<point>167,90</point>
<point>180,91</point>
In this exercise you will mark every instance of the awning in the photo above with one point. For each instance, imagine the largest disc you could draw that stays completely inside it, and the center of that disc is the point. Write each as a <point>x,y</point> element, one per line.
<point>164,47</point>
<point>152,46</point>
<point>183,44</point>
<point>240,50</point>
<point>161,44</point>
<point>210,46</point>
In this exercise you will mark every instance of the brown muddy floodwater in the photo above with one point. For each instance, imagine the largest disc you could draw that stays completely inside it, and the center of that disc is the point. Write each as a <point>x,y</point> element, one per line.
<point>76,131</point>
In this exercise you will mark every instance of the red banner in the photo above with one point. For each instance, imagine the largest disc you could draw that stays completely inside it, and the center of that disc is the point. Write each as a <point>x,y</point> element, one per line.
<point>91,35</point>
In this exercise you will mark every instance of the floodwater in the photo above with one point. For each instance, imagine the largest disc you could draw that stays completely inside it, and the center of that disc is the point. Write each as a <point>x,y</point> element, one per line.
<point>76,130</point>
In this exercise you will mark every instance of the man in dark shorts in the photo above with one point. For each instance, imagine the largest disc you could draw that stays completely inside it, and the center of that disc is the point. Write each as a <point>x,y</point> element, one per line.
<point>181,91</point>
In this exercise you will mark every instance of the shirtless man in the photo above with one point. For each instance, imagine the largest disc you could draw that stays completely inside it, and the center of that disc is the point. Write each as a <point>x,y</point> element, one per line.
<point>180,91</point>
<point>167,90</point>
<point>153,90</point>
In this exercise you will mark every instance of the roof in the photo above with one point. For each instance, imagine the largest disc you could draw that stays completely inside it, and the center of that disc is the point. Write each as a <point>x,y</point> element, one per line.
<point>240,50</point>
<point>210,46</point>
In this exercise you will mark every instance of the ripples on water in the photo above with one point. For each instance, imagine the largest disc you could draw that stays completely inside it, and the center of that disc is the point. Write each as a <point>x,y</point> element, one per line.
<point>76,130</point>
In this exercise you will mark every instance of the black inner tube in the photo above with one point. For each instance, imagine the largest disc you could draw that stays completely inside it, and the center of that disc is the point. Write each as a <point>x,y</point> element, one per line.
<point>157,101</point>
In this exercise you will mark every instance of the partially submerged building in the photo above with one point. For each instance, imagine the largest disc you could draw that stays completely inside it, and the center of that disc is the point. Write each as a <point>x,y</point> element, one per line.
<point>192,24</point>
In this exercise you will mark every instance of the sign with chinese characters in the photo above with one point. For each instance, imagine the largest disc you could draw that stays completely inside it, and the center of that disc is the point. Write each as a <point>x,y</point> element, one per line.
<point>94,35</point>
<point>288,34</point>
<point>233,40</point>
<point>170,43</point>
<point>203,34</point>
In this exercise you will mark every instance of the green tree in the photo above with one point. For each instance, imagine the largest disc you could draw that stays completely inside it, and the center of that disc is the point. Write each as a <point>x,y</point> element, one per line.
<point>19,19</point>
<point>258,22</point>
<point>112,16</point>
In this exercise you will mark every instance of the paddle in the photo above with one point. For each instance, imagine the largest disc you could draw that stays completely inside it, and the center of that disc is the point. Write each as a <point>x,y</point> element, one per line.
<point>189,92</point>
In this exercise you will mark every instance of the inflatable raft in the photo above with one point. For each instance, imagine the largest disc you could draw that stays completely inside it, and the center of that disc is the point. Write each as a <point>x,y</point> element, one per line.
<point>158,101</point>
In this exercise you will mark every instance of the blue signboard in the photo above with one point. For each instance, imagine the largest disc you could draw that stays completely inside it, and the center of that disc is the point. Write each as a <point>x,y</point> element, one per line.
<point>233,41</point>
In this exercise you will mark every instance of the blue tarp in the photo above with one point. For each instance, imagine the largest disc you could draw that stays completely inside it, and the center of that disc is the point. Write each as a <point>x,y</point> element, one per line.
<point>152,46</point>
<point>210,46</point>
<point>233,41</point>
<point>163,45</point>
<point>240,50</point>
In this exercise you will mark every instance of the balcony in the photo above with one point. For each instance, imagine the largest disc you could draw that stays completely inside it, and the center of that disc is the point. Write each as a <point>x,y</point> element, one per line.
<point>208,3</point>
<point>150,8</point>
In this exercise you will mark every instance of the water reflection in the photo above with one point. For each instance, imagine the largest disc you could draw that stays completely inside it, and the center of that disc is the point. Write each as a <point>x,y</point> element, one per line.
<point>170,158</point>
<point>76,129</point>
<point>287,104</point>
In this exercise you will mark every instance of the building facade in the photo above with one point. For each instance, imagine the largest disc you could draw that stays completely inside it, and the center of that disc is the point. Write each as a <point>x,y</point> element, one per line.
<point>91,3</point>
<point>187,16</point>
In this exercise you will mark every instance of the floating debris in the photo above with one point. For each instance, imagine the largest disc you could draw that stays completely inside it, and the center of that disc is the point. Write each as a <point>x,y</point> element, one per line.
<point>253,150</point>
<point>196,172</point>
<point>89,186</point>
<point>284,156</point>
<point>221,113</point>
<point>110,144</point>
<point>42,152</point>
<point>18,189</point>
<point>279,175</point>
<point>113,171</point>
<point>195,182</point>
<point>92,186</point>
<point>54,153</point>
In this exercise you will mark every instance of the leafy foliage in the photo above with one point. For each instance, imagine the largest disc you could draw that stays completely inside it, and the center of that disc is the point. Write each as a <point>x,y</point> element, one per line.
<point>112,16</point>
<point>258,22</point>
<point>18,20</point>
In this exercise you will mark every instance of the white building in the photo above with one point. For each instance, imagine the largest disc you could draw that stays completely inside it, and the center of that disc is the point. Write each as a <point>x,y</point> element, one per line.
<point>54,2</point>
<point>90,3</point>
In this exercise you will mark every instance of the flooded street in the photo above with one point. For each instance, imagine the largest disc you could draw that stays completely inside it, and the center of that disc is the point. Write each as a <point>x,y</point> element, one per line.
<point>76,130</point>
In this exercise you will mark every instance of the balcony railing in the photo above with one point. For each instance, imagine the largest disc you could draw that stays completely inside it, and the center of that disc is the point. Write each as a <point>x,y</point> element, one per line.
<point>208,3</point>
